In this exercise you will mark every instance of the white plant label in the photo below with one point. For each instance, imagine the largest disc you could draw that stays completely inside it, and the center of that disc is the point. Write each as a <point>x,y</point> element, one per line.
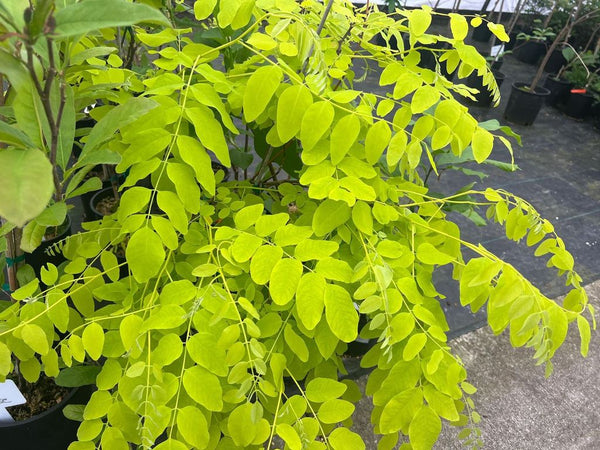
<point>9,396</point>
<point>496,50</point>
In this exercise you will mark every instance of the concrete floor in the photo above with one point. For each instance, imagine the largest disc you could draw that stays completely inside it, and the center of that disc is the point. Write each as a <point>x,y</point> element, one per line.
<point>520,408</point>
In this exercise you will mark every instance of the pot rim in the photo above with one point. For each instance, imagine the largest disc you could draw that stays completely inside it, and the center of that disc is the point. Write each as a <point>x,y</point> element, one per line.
<point>539,90</point>
<point>95,197</point>
<point>552,77</point>
<point>67,224</point>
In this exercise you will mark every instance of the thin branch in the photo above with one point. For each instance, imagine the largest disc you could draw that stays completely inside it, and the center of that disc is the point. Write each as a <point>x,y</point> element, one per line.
<point>31,68</point>
<point>318,32</point>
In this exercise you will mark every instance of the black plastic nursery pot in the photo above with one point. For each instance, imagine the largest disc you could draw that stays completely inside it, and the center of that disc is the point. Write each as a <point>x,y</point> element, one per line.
<point>556,62</point>
<point>497,64</point>
<point>86,198</point>
<point>559,90</point>
<point>481,34</point>
<point>484,96</point>
<point>524,105</point>
<point>512,41</point>
<point>81,128</point>
<point>393,42</point>
<point>529,52</point>
<point>50,430</point>
<point>44,254</point>
<point>579,105</point>
<point>595,114</point>
<point>100,195</point>
<point>428,59</point>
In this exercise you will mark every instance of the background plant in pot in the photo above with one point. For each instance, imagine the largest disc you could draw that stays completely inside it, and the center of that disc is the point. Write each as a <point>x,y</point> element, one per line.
<point>526,99</point>
<point>530,47</point>
<point>558,85</point>
<point>44,69</point>
<point>581,98</point>
<point>41,69</point>
<point>584,34</point>
<point>237,289</point>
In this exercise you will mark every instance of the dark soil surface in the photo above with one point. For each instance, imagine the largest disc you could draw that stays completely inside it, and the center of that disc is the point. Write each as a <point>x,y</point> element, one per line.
<point>52,232</point>
<point>107,206</point>
<point>41,396</point>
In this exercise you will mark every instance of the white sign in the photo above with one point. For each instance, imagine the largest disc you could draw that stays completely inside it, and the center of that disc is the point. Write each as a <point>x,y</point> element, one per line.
<point>9,396</point>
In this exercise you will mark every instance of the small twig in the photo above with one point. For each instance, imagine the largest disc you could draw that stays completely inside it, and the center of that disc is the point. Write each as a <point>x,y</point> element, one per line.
<point>11,257</point>
<point>590,40</point>
<point>262,164</point>
<point>577,56</point>
<point>550,14</point>
<point>44,93</point>
<point>31,68</point>
<point>562,36</point>
<point>132,48</point>
<point>318,32</point>
<point>344,37</point>
<point>515,17</point>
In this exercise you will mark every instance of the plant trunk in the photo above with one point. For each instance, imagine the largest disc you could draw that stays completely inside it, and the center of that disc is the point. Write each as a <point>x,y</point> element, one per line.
<point>573,19</point>
<point>562,36</point>
<point>590,40</point>
<point>515,16</point>
<point>498,20</point>
<point>540,71</point>
<point>549,17</point>
<point>14,257</point>
<point>456,5</point>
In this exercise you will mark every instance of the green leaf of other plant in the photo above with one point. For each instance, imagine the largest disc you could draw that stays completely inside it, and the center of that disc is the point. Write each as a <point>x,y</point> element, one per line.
<point>91,15</point>
<point>27,184</point>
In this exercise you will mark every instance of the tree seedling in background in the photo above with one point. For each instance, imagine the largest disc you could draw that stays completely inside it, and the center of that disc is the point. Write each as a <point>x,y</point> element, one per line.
<point>562,36</point>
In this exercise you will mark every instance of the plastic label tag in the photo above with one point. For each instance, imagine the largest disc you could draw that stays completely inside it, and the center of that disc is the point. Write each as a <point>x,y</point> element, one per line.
<point>9,396</point>
<point>496,50</point>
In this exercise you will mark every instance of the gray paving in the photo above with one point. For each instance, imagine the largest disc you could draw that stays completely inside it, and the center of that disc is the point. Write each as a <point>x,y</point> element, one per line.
<point>520,408</point>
